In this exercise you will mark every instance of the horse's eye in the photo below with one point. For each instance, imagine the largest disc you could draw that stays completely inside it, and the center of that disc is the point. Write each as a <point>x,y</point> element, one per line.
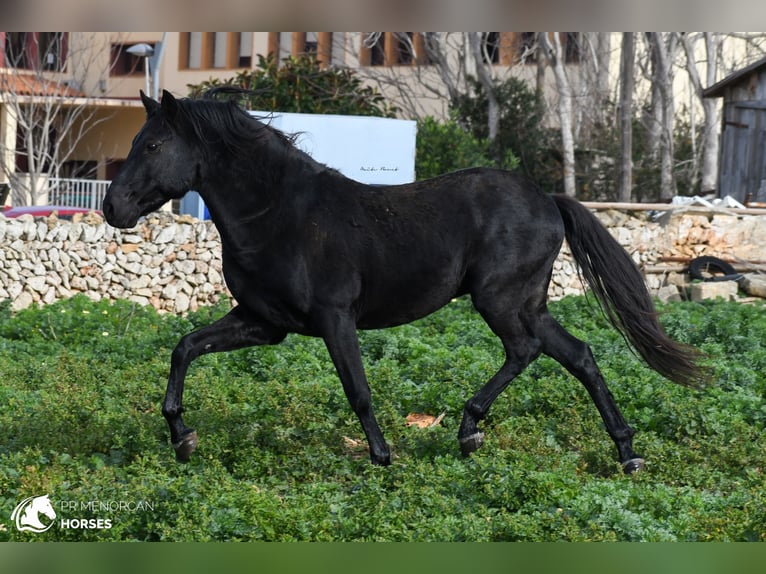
<point>152,147</point>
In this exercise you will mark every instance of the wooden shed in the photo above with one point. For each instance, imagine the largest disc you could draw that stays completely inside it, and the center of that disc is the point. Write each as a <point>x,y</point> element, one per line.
<point>742,166</point>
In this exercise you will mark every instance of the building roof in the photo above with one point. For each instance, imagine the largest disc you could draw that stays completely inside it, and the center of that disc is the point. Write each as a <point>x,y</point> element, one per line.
<point>717,90</point>
<point>31,84</point>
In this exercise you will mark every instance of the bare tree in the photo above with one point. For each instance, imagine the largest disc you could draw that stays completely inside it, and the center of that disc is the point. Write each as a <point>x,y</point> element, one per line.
<point>554,53</point>
<point>626,116</point>
<point>441,66</point>
<point>484,76</point>
<point>663,49</point>
<point>591,85</point>
<point>581,92</point>
<point>708,171</point>
<point>44,105</point>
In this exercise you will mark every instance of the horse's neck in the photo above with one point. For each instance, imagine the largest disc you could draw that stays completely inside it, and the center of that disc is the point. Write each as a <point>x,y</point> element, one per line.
<point>248,211</point>
<point>31,517</point>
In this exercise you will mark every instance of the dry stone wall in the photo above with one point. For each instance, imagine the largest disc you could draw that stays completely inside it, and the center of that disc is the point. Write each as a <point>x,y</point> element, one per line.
<point>174,262</point>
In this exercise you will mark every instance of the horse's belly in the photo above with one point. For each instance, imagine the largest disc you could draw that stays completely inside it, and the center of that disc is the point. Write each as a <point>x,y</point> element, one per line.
<point>405,302</point>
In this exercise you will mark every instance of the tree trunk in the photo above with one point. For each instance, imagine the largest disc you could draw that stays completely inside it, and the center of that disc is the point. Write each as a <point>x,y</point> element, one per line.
<point>626,117</point>
<point>485,78</point>
<point>710,142</point>
<point>554,54</point>
<point>708,171</point>
<point>663,59</point>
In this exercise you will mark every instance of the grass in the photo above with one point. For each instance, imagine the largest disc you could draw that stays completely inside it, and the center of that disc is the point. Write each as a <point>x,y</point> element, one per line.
<point>281,454</point>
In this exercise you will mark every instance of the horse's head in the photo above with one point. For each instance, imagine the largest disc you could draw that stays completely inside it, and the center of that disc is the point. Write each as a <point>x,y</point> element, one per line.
<point>161,165</point>
<point>42,504</point>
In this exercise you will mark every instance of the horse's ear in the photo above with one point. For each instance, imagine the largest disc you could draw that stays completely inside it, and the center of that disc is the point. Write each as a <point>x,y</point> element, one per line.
<point>169,104</point>
<point>150,105</point>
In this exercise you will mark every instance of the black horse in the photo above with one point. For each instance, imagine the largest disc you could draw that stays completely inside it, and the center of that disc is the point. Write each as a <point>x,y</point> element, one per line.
<point>307,250</point>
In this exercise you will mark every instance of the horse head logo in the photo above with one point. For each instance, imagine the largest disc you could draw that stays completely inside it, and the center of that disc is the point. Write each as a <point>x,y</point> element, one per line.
<point>27,513</point>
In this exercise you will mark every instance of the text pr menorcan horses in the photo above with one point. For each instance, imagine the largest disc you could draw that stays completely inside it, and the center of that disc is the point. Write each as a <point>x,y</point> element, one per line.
<point>307,250</point>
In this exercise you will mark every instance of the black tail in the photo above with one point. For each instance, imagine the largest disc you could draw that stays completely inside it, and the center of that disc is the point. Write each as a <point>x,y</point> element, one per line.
<point>622,294</point>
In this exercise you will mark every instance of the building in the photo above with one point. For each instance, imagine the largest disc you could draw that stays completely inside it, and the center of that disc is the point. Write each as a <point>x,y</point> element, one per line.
<point>94,79</point>
<point>742,167</point>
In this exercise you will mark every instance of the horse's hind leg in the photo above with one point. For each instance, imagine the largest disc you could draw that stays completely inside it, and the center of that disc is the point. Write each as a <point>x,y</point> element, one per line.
<point>235,330</point>
<point>576,357</point>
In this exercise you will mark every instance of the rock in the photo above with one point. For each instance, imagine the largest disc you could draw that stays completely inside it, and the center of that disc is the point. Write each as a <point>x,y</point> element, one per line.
<point>182,303</point>
<point>140,282</point>
<point>36,283</point>
<point>131,238</point>
<point>143,301</point>
<point>164,234</point>
<point>23,301</point>
<point>754,285</point>
<point>184,267</point>
<point>668,293</point>
<point>714,289</point>
<point>50,296</point>
<point>13,230</point>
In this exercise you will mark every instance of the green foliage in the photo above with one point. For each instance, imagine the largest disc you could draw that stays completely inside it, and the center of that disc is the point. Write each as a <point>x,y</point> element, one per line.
<point>81,385</point>
<point>445,146</point>
<point>520,132</point>
<point>299,84</point>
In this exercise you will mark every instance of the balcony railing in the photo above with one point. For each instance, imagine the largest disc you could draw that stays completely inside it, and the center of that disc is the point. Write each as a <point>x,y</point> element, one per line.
<point>85,193</point>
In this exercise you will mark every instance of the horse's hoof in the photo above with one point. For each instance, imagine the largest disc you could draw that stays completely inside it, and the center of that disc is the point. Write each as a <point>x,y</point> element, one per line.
<point>633,465</point>
<point>471,443</point>
<point>384,460</point>
<point>186,446</point>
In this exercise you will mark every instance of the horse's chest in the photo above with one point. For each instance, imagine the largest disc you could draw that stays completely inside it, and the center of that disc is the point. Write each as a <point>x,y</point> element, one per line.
<point>274,290</point>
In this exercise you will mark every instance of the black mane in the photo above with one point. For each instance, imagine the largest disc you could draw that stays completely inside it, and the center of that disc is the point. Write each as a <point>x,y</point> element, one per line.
<point>214,122</point>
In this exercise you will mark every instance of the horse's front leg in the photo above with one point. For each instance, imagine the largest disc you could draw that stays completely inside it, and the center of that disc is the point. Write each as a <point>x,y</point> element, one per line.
<point>339,334</point>
<point>235,330</point>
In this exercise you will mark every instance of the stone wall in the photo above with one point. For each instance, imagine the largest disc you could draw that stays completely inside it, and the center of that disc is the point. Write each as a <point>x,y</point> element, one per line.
<point>174,262</point>
<point>663,244</point>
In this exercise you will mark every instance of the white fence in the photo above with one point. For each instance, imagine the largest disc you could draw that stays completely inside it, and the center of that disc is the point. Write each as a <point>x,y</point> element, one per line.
<point>86,193</point>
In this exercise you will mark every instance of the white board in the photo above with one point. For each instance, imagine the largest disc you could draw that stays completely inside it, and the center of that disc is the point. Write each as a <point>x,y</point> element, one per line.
<point>378,151</point>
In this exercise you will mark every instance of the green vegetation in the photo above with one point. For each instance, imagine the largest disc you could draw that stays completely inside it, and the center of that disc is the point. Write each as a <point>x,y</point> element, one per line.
<point>521,130</point>
<point>81,385</point>
<point>445,146</point>
<point>301,85</point>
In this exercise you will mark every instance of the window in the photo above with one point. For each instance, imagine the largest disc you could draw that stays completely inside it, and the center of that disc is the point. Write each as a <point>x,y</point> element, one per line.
<point>527,50</point>
<point>316,44</point>
<point>219,46</point>
<point>311,43</point>
<point>393,49</point>
<point>78,169</point>
<point>491,47</point>
<point>36,50</point>
<point>125,63</point>
<point>373,51</point>
<point>52,50</point>
<point>215,50</point>
<point>571,46</point>
<point>245,59</point>
<point>404,48</point>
